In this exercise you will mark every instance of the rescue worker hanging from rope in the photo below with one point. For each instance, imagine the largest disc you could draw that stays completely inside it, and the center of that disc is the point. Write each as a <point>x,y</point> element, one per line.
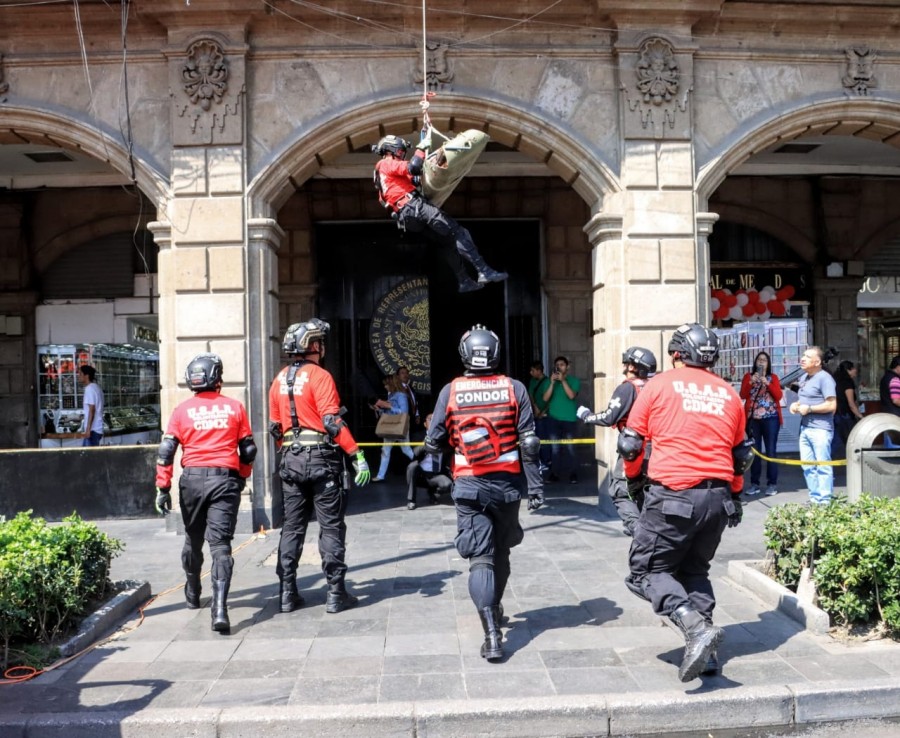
<point>397,182</point>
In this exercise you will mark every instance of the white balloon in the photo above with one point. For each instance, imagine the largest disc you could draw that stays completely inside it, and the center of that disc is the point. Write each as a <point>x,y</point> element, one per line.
<point>726,291</point>
<point>765,316</point>
<point>714,304</point>
<point>766,294</point>
<point>742,299</point>
<point>736,313</point>
<point>787,306</point>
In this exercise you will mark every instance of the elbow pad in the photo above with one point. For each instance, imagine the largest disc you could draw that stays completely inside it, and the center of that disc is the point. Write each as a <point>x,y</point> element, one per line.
<point>165,456</point>
<point>246,450</point>
<point>333,425</point>
<point>742,455</point>
<point>630,444</point>
<point>530,446</point>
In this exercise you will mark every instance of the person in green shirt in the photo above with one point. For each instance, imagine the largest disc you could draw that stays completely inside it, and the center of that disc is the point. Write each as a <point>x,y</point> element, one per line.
<point>537,385</point>
<point>562,410</point>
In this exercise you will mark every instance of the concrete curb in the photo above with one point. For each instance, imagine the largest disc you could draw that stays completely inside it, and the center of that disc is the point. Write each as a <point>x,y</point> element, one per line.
<point>577,715</point>
<point>106,617</point>
<point>748,574</point>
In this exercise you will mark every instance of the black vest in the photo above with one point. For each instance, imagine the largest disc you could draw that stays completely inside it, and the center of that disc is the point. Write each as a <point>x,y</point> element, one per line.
<point>884,392</point>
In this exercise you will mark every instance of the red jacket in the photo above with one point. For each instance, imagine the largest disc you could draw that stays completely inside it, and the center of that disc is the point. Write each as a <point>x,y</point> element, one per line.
<point>693,419</point>
<point>208,426</point>
<point>315,396</point>
<point>774,390</point>
<point>395,178</point>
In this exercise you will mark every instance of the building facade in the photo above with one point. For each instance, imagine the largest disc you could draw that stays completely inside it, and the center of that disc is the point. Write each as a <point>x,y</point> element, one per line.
<point>224,148</point>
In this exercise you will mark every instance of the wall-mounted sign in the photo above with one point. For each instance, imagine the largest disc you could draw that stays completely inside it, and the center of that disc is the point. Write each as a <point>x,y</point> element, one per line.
<point>399,334</point>
<point>141,334</point>
<point>757,293</point>
<point>879,292</point>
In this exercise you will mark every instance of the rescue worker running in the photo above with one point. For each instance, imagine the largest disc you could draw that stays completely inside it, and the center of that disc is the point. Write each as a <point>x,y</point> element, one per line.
<point>217,453</point>
<point>396,181</point>
<point>637,364</point>
<point>695,421</point>
<point>486,418</point>
<point>306,424</point>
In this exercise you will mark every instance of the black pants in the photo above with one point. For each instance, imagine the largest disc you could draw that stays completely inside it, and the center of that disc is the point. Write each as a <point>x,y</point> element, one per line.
<point>435,482</point>
<point>209,499</point>
<point>675,539</point>
<point>420,215</point>
<point>487,528</point>
<point>311,482</point>
<point>628,507</point>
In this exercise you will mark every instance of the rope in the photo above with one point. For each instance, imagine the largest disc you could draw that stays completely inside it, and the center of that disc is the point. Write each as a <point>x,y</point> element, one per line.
<point>379,444</point>
<point>798,462</point>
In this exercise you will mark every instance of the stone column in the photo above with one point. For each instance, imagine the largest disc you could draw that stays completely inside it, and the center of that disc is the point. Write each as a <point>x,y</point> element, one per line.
<point>264,239</point>
<point>834,314</point>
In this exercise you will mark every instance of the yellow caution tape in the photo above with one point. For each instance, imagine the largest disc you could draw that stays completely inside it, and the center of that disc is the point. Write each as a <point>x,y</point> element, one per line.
<point>798,462</point>
<point>379,444</point>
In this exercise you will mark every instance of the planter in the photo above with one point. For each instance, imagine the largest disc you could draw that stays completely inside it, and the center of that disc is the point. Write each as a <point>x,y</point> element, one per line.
<point>105,619</point>
<point>750,576</point>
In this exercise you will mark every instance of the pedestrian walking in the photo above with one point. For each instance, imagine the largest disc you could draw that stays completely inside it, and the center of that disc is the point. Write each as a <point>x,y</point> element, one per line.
<point>217,453</point>
<point>485,417</point>
<point>695,422</point>
<point>637,365</point>
<point>306,422</point>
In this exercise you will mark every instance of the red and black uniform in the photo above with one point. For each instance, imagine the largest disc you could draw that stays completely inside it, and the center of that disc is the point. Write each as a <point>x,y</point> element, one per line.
<point>311,467</point>
<point>209,428</point>
<point>694,419</point>
<point>628,506</point>
<point>395,180</point>
<point>482,418</point>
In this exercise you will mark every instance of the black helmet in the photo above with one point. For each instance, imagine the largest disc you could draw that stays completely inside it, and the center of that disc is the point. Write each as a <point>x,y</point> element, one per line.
<point>392,145</point>
<point>642,358</point>
<point>203,373</point>
<point>479,349</point>
<point>695,345</point>
<point>300,336</point>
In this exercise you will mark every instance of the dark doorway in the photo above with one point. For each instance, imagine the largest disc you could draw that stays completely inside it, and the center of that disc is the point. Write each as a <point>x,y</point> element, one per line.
<point>392,300</point>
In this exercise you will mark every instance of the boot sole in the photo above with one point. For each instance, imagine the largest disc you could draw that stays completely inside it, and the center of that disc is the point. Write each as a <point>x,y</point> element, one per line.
<point>694,669</point>
<point>334,609</point>
<point>291,608</point>
<point>493,655</point>
<point>221,627</point>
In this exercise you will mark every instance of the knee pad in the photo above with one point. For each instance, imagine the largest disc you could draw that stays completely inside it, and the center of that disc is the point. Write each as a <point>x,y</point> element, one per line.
<point>481,562</point>
<point>220,552</point>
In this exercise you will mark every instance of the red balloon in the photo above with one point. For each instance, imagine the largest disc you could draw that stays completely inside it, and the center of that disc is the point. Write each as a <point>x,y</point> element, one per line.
<point>753,295</point>
<point>776,308</point>
<point>749,309</point>
<point>721,313</point>
<point>760,308</point>
<point>785,293</point>
<point>729,300</point>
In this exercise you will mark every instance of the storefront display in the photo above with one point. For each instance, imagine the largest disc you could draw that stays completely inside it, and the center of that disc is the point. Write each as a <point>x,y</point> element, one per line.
<point>129,378</point>
<point>784,341</point>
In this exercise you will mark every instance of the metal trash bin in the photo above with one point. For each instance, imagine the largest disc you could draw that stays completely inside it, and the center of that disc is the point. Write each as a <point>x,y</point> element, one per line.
<point>873,469</point>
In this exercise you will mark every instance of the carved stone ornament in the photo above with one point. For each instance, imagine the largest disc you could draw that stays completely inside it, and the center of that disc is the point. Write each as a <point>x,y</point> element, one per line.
<point>860,74</point>
<point>4,86</point>
<point>205,74</point>
<point>437,75</point>
<point>657,72</point>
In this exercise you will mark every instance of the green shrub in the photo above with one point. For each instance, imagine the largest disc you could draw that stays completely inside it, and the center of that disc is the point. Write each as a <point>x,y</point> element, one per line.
<point>49,575</point>
<point>853,551</point>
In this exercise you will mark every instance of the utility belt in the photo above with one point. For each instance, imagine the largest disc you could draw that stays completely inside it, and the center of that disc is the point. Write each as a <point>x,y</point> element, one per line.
<point>306,437</point>
<point>210,471</point>
<point>404,201</point>
<point>702,484</point>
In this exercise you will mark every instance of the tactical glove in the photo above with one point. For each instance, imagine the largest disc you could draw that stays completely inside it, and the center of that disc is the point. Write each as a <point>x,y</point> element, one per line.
<point>582,412</point>
<point>163,502</point>
<point>636,487</point>
<point>361,467</point>
<point>425,141</point>
<point>535,501</point>
<point>242,484</point>
<point>734,518</point>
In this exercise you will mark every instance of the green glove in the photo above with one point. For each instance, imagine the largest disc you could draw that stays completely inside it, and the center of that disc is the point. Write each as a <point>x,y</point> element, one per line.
<point>163,501</point>
<point>361,467</point>
<point>425,141</point>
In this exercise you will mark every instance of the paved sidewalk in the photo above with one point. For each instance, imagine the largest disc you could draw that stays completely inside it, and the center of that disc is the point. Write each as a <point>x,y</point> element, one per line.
<point>585,656</point>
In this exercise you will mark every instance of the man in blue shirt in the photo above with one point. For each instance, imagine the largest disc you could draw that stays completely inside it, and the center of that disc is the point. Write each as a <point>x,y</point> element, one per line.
<point>816,402</point>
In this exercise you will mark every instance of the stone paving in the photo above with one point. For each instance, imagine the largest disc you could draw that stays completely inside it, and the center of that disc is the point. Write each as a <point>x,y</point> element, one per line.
<point>574,629</point>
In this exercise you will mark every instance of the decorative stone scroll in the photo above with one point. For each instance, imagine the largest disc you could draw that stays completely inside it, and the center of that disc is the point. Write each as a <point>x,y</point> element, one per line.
<point>207,95</point>
<point>662,82</point>
<point>859,77</point>
<point>437,74</point>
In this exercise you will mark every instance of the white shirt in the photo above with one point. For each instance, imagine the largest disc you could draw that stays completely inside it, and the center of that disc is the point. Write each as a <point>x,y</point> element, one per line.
<point>93,395</point>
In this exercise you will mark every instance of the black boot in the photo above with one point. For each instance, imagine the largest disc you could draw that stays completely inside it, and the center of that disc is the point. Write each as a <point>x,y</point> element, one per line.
<point>492,648</point>
<point>490,275</point>
<point>467,284</point>
<point>700,640</point>
<point>499,617</point>
<point>192,590</point>
<point>219,607</point>
<point>289,596</point>
<point>338,598</point>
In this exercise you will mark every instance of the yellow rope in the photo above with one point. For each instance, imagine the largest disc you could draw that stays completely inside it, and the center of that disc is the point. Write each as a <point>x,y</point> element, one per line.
<point>797,462</point>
